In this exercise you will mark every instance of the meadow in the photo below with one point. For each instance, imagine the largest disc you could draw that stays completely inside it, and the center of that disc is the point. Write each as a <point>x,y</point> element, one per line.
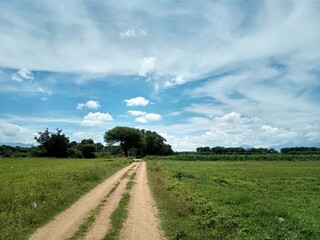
<point>33,190</point>
<point>237,199</point>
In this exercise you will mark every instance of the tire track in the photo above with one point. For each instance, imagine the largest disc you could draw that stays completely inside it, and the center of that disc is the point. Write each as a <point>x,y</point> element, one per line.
<point>65,224</point>
<point>142,222</point>
<point>102,223</point>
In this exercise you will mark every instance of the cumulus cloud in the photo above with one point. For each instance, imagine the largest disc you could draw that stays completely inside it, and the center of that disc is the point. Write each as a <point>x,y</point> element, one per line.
<point>132,33</point>
<point>96,119</point>
<point>91,104</point>
<point>22,75</point>
<point>144,117</point>
<point>149,117</point>
<point>136,113</point>
<point>13,133</point>
<point>277,132</point>
<point>137,101</point>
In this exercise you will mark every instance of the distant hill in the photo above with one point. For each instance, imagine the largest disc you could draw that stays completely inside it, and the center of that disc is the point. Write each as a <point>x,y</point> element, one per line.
<point>246,146</point>
<point>24,145</point>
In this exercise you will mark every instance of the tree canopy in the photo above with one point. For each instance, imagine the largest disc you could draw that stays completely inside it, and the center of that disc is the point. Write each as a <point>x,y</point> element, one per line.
<point>53,144</point>
<point>88,148</point>
<point>144,142</point>
<point>126,137</point>
<point>156,144</point>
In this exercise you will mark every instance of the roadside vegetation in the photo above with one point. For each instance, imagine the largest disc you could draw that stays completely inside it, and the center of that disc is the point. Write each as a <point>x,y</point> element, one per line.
<point>236,157</point>
<point>237,200</point>
<point>33,190</point>
<point>121,141</point>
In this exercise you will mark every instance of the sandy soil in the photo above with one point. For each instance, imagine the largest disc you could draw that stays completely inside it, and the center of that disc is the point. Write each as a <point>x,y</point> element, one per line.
<point>142,222</point>
<point>66,223</point>
<point>103,223</point>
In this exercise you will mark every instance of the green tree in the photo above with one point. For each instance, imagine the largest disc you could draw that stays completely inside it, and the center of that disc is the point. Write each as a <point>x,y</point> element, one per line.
<point>155,144</point>
<point>126,137</point>
<point>88,148</point>
<point>53,144</point>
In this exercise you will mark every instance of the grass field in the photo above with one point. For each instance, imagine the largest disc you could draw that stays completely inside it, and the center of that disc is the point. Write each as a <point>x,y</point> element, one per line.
<point>33,190</point>
<point>237,200</point>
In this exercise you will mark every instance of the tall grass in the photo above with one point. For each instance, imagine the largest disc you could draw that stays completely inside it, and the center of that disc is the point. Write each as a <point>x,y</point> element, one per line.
<point>33,190</point>
<point>237,200</point>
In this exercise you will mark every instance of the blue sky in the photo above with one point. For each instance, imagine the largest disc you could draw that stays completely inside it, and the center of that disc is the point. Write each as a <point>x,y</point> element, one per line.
<point>227,73</point>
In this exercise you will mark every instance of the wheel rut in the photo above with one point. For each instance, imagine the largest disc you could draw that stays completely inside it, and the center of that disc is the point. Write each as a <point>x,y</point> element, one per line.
<point>142,222</point>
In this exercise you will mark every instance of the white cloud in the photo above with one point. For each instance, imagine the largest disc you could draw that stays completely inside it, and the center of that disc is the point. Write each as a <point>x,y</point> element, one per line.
<point>96,119</point>
<point>136,113</point>
<point>13,133</point>
<point>91,104</point>
<point>148,66</point>
<point>260,60</point>
<point>137,101</point>
<point>236,118</point>
<point>79,136</point>
<point>178,80</point>
<point>145,117</point>
<point>132,33</point>
<point>44,90</point>
<point>149,117</point>
<point>275,132</point>
<point>21,75</point>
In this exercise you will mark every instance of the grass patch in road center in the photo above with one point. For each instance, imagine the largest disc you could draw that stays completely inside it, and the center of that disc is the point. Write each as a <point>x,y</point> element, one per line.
<point>121,213</point>
<point>118,217</point>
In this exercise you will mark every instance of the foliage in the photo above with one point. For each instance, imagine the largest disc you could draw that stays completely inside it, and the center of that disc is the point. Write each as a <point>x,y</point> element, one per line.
<point>53,144</point>
<point>234,150</point>
<point>88,148</point>
<point>9,151</point>
<point>237,200</point>
<point>33,190</point>
<point>235,157</point>
<point>301,150</point>
<point>127,138</point>
<point>155,144</point>
<point>137,142</point>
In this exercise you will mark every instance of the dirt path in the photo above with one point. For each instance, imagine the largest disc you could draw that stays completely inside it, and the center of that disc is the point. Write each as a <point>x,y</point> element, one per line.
<point>66,223</point>
<point>142,222</point>
<point>103,223</point>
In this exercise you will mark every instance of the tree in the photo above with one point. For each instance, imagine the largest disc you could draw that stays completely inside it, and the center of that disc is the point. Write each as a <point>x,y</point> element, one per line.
<point>88,148</point>
<point>126,137</point>
<point>155,144</point>
<point>53,144</point>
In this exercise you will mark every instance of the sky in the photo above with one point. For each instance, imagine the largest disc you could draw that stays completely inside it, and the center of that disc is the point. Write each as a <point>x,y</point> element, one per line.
<point>200,73</point>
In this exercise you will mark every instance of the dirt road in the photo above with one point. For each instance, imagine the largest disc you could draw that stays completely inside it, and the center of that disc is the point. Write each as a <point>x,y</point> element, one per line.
<point>142,222</point>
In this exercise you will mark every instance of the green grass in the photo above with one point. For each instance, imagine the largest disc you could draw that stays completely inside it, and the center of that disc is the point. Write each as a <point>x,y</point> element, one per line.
<point>237,157</point>
<point>33,190</point>
<point>121,213</point>
<point>237,200</point>
<point>83,228</point>
<point>118,217</point>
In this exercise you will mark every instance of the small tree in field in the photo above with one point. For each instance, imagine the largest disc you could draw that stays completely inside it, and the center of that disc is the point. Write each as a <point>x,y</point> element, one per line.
<point>127,138</point>
<point>53,144</point>
<point>88,148</point>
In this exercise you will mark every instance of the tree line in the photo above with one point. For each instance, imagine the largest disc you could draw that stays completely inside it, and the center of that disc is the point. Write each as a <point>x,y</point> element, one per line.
<point>120,141</point>
<point>241,150</point>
